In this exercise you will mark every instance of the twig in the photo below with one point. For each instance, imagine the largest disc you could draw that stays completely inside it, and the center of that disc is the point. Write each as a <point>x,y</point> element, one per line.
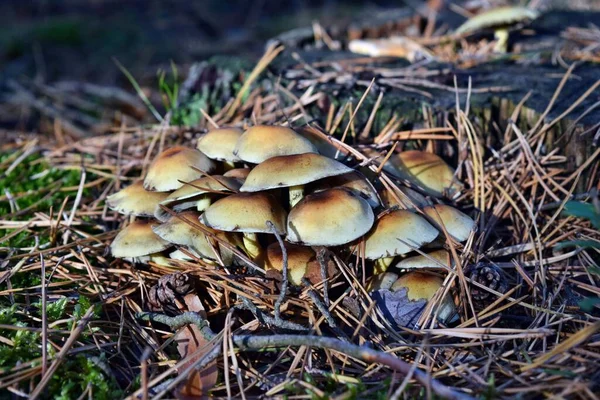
<point>323,264</point>
<point>284,278</point>
<point>268,320</point>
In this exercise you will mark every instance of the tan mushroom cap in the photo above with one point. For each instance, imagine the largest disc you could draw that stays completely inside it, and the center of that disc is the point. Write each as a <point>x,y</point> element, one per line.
<point>292,170</point>
<point>183,229</point>
<point>238,173</point>
<point>426,170</point>
<point>245,212</point>
<point>174,166</point>
<point>262,142</point>
<point>501,16</point>
<point>204,185</point>
<point>136,240</point>
<point>435,260</point>
<point>329,218</point>
<point>395,231</point>
<point>135,200</point>
<point>406,196</point>
<point>458,224</point>
<point>219,144</point>
<point>383,281</point>
<point>302,263</point>
<point>354,181</point>
<point>323,142</point>
<point>419,285</point>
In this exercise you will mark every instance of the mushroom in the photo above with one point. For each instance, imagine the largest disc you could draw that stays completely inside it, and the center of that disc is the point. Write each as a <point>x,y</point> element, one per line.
<point>198,193</point>
<point>423,286</point>
<point>354,181</point>
<point>437,259</point>
<point>238,173</point>
<point>382,281</point>
<point>174,166</point>
<point>395,233</point>
<point>500,19</point>
<point>182,229</point>
<point>262,142</point>
<point>219,144</point>
<point>408,198</point>
<point>329,218</point>
<point>135,200</point>
<point>293,171</point>
<point>396,46</point>
<point>137,240</point>
<point>426,170</point>
<point>458,224</point>
<point>247,213</point>
<point>302,262</point>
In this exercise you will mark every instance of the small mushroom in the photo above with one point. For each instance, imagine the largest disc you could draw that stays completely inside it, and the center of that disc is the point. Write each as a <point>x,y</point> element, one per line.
<point>293,171</point>
<point>137,240</point>
<point>458,224</point>
<point>428,171</point>
<point>219,144</point>
<point>329,218</point>
<point>247,213</point>
<point>182,229</point>
<point>423,286</point>
<point>135,200</point>
<point>405,197</point>
<point>500,19</point>
<point>238,173</point>
<point>174,166</point>
<point>396,46</point>
<point>382,281</point>
<point>395,233</point>
<point>197,194</point>
<point>437,259</point>
<point>262,142</point>
<point>302,262</point>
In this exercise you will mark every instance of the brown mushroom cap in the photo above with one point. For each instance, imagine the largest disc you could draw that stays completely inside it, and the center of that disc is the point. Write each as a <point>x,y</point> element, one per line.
<point>174,166</point>
<point>238,173</point>
<point>329,218</point>
<point>219,144</point>
<point>245,212</point>
<point>354,181</point>
<point>426,170</point>
<point>435,260</point>
<point>323,142</point>
<point>204,185</point>
<point>302,263</point>
<point>135,200</point>
<point>182,229</point>
<point>458,224</point>
<point>419,285</point>
<point>406,195</point>
<point>395,231</point>
<point>262,142</point>
<point>137,240</point>
<point>292,170</point>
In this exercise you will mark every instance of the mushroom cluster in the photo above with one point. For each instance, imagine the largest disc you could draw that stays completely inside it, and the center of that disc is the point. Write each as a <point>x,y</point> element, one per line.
<point>239,190</point>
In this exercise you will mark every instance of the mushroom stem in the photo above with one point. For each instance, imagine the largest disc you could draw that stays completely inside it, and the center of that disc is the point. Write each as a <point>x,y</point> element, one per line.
<point>203,203</point>
<point>501,36</point>
<point>296,194</point>
<point>251,245</point>
<point>382,264</point>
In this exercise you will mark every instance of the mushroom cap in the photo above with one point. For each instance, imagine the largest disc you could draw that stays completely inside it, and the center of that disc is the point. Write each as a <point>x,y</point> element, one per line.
<point>395,231</point>
<point>135,200</point>
<point>219,144</point>
<point>457,223</point>
<point>329,218</point>
<point>421,262</point>
<point>238,173</point>
<point>204,185</point>
<point>427,170</point>
<point>497,17</point>
<point>298,259</point>
<point>292,170</point>
<point>419,285</point>
<point>323,142</point>
<point>245,212</point>
<point>136,240</point>
<point>261,142</point>
<point>177,231</point>
<point>174,166</point>
<point>395,46</point>
<point>353,180</point>
<point>383,281</point>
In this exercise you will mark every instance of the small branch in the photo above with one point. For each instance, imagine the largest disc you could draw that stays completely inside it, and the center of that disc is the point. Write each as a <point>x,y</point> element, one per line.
<point>284,279</point>
<point>268,320</point>
<point>178,321</point>
<point>323,309</point>
<point>321,251</point>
